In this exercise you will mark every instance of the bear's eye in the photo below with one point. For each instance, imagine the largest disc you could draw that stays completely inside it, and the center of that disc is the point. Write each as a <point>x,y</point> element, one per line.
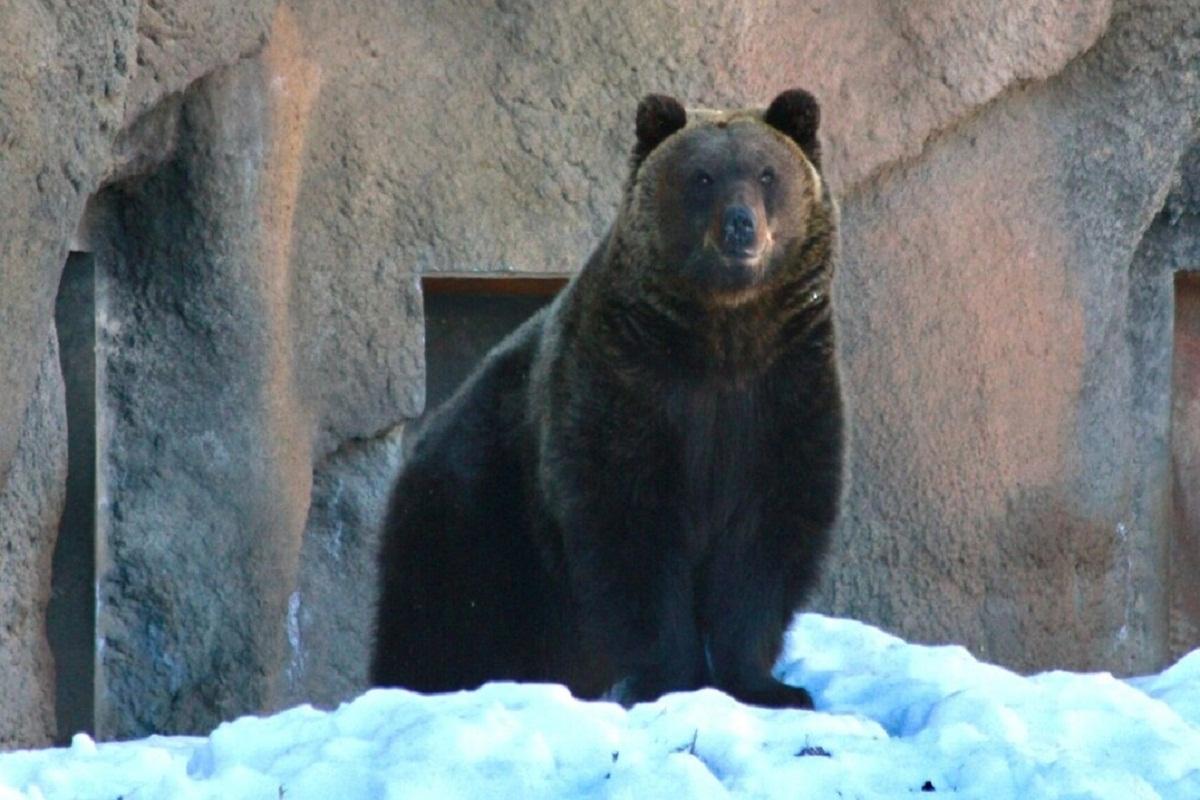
<point>767,177</point>
<point>702,178</point>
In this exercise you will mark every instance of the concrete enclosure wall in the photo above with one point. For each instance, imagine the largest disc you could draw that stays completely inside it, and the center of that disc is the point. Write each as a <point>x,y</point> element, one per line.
<point>262,186</point>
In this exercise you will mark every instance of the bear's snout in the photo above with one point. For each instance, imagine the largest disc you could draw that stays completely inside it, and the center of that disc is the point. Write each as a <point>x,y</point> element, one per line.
<point>738,231</point>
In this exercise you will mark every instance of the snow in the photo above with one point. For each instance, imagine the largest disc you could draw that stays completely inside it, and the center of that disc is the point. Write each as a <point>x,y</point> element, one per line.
<point>894,720</point>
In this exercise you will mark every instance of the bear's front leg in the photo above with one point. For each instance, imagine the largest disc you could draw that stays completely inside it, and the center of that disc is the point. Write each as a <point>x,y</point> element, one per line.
<point>635,594</point>
<point>748,600</point>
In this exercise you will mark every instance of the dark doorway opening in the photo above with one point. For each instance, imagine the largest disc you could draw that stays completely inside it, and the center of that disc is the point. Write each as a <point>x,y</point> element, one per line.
<point>1184,549</point>
<point>466,316</point>
<point>71,616</point>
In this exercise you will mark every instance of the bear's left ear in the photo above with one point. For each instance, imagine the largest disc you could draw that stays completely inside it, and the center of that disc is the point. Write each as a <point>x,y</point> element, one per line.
<point>658,116</point>
<point>796,114</point>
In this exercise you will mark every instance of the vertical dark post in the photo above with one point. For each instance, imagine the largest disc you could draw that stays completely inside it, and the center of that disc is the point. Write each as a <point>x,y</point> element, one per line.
<point>71,617</point>
<point>1184,553</point>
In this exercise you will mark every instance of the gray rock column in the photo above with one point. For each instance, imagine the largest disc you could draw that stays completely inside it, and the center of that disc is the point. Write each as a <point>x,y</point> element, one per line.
<point>30,504</point>
<point>206,464</point>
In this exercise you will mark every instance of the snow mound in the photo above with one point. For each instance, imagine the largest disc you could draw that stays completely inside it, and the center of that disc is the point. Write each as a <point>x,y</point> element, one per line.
<point>894,720</point>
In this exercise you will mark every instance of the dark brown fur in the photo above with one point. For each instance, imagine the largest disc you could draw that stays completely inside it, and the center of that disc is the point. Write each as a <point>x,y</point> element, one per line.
<point>634,491</point>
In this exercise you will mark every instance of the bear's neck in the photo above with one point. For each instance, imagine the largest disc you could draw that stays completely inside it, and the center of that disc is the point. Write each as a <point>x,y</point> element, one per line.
<point>671,334</point>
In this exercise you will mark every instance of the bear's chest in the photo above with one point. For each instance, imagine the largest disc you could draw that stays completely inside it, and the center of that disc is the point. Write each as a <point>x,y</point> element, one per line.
<point>718,442</point>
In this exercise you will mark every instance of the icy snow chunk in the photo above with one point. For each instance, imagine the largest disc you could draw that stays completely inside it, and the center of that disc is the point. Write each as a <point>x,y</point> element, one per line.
<point>82,745</point>
<point>1177,687</point>
<point>892,718</point>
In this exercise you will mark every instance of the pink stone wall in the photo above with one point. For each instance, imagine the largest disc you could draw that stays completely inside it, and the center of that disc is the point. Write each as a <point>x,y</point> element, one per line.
<point>264,184</point>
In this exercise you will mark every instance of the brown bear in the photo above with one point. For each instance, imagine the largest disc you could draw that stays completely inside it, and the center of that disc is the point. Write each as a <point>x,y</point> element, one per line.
<point>632,493</point>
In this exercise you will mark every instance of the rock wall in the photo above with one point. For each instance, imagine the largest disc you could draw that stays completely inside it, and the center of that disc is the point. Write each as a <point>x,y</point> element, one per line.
<point>73,77</point>
<point>1007,363</point>
<point>30,502</point>
<point>262,185</point>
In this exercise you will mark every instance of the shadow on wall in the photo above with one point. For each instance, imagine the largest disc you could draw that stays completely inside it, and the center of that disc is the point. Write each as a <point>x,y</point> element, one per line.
<point>1071,563</point>
<point>71,614</point>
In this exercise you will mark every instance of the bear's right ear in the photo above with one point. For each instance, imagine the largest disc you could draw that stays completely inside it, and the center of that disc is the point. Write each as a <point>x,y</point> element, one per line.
<point>796,114</point>
<point>658,116</point>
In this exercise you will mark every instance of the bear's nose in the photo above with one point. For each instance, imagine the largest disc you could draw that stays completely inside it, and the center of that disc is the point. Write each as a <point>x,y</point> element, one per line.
<point>737,229</point>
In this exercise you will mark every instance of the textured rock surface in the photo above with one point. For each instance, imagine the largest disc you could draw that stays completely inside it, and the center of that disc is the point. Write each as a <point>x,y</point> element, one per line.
<point>328,632</point>
<point>893,75</point>
<point>183,40</point>
<point>998,353</point>
<point>205,478</point>
<point>65,83</point>
<point>1171,249</point>
<point>226,330</point>
<point>267,182</point>
<point>30,503</point>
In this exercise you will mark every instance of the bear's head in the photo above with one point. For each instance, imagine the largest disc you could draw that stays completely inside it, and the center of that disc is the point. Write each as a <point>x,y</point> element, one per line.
<point>728,202</point>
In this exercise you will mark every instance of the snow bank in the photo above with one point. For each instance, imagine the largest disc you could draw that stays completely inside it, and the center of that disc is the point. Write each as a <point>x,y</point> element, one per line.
<point>895,720</point>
